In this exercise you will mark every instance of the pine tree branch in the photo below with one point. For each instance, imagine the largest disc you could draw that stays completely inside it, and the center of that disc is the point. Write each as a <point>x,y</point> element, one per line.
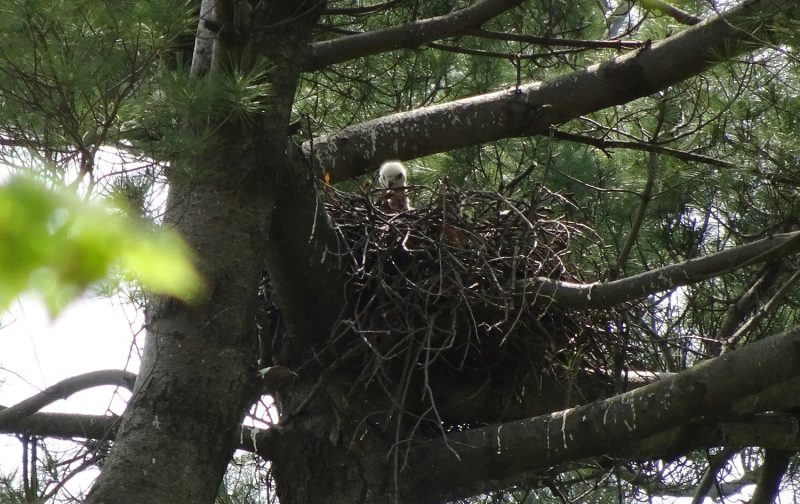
<point>411,35</point>
<point>81,426</point>
<point>534,108</point>
<point>670,10</point>
<point>607,426</point>
<point>603,295</point>
<point>62,425</point>
<point>64,389</point>
<point>605,144</point>
<point>557,42</point>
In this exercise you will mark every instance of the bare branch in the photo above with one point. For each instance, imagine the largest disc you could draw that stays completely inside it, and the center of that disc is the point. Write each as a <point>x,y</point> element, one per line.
<point>70,426</point>
<point>638,218</point>
<point>61,425</point>
<point>600,295</point>
<point>66,388</point>
<point>644,201</point>
<point>745,304</point>
<point>715,463</point>
<point>606,144</point>
<point>675,13</point>
<point>557,42</point>
<point>411,35</point>
<point>533,108</point>
<point>769,480</point>
<point>773,303</point>
<point>359,11</point>
<point>602,427</point>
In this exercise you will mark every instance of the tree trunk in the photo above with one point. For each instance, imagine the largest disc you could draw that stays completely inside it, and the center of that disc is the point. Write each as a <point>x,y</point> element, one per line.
<point>199,369</point>
<point>331,455</point>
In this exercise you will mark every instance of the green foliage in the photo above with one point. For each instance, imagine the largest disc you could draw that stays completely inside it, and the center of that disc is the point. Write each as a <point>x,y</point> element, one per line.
<point>198,106</point>
<point>69,71</point>
<point>58,246</point>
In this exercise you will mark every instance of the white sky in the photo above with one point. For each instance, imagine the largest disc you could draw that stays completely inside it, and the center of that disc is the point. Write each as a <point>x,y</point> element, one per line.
<point>35,352</point>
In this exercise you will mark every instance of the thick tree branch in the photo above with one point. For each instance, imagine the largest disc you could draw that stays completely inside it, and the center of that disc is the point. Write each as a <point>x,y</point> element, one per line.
<point>533,108</point>
<point>64,389</point>
<point>770,430</point>
<point>411,35</point>
<point>769,479</point>
<point>778,431</point>
<point>451,468</point>
<point>303,261</point>
<point>62,425</point>
<point>602,295</point>
<point>70,426</point>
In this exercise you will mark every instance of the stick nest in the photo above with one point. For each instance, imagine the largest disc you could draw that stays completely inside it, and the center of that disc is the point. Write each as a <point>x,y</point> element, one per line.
<point>442,298</point>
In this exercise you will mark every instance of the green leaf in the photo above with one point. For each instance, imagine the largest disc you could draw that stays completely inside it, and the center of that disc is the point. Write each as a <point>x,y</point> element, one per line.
<point>59,246</point>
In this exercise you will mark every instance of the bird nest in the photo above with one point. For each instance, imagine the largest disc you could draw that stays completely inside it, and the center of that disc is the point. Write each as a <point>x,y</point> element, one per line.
<point>443,298</point>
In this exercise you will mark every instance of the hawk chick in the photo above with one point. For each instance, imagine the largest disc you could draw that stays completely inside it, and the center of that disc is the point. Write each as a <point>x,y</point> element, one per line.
<point>393,176</point>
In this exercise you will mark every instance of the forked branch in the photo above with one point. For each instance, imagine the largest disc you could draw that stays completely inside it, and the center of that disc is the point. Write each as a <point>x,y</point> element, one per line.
<point>64,389</point>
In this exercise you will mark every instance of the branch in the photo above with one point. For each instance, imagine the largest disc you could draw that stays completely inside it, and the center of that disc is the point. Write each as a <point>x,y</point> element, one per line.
<point>533,108</point>
<point>638,218</point>
<point>663,487</point>
<point>715,463</point>
<point>61,425</point>
<point>557,42</point>
<point>451,467</point>
<point>769,480</point>
<point>740,308</point>
<point>70,426</point>
<point>411,35</point>
<point>64,389</point>
<point>603,295</point>
<point>605,144</point>
<point>359,11</point>
<point>644,200</point>
<point>773,304</point>
<point>670,10</point>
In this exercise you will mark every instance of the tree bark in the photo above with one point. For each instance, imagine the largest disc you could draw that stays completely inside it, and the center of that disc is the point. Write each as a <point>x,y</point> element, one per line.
<point>199,369</point>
